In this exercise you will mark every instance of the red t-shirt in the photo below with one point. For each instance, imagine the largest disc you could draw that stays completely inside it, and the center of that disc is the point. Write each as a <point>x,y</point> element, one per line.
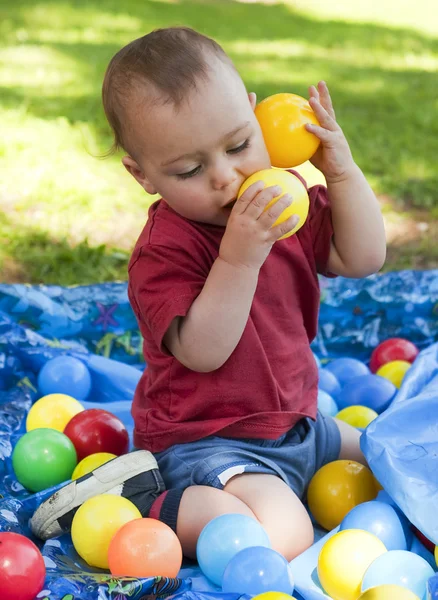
<point>270,380</point>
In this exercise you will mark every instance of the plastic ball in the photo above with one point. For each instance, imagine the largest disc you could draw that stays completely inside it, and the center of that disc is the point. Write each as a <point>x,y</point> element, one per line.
<point>22,569</point>
<point>256,570</point>
<point>393,349</point>
<point>388,592</point>
<point>96,430</point>
<point>317,361</point>
<point>289,184</point>
<point>345,369</point>
<point>53,411</point>
<point>343,561</point>
<point>370,390</point>
<point>222,538</point>
<point>395,371</point>
<point>399,567</point>
<point>274,596</point>
<point>379,519</point>
<point>96,522</point>
<point>427,543</point>
<point>336,488</point>
<point>326,405</point>
<point>89,463</point>
<point>329,383</point>
<point>65,375</point>
<point>282,118</point>
<point>357,416</point>
<point>43,458</point>
<point>145,548</point>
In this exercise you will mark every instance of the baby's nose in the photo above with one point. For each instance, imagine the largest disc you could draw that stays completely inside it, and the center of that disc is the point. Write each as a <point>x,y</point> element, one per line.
<point>222,177</point>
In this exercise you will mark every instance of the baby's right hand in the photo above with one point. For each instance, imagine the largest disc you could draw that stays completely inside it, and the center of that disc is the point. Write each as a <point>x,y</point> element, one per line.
<point>250,235</point>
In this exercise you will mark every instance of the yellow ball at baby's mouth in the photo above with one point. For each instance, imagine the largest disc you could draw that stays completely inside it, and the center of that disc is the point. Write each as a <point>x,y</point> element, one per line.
<point>290,184</point>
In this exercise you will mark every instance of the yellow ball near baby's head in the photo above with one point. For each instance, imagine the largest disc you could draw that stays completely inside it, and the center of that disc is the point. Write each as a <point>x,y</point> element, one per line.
<point>290,184</point>
<point>282,118</point>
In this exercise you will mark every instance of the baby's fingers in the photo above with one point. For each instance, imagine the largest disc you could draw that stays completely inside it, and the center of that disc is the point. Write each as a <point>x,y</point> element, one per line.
<point>283,228</point>
<point>271,213</point>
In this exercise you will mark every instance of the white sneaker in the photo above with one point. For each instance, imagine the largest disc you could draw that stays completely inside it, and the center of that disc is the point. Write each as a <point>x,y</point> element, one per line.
<point>134,476</point>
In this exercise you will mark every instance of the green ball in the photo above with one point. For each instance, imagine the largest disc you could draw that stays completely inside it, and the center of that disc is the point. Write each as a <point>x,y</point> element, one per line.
<point>43,458</point>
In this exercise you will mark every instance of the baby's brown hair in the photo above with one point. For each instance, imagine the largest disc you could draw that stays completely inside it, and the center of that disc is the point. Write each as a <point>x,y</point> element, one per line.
<point>171,60</point>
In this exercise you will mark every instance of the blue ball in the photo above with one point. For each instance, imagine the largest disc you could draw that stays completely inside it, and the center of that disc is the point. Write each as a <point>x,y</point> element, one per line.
<point>347,368</point>
<point>65,375</point>
<point>326,405</point>
<point>367,390</point>
<point>223,538</point>
<point>329,383</point>
<point>380,519</point>
<point>256,570</point>
<point>399,567</point>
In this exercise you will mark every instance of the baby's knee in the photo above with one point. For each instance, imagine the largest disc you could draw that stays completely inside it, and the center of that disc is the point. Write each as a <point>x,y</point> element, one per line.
<point>293,536</point>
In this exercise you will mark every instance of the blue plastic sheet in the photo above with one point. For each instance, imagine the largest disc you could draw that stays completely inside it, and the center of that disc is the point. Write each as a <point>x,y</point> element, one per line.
<point>96,324</point>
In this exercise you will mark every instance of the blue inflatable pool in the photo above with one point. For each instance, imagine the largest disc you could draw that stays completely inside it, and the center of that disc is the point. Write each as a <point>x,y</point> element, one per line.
<point>96,324</point>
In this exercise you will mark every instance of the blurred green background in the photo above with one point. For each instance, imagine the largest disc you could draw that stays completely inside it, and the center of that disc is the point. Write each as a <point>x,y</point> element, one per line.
<point>68,217</point>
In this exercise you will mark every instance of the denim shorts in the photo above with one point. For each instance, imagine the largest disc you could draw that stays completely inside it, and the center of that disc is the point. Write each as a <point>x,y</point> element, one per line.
<point>214,460</point>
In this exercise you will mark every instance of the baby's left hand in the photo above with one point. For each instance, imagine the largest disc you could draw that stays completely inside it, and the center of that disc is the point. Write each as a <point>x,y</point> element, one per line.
<point>333,156</point>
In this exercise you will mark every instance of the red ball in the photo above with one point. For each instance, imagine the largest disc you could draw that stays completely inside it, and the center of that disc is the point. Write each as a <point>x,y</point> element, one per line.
<point>392,349</point>
<point>22,569</point>
<point>96,430</point>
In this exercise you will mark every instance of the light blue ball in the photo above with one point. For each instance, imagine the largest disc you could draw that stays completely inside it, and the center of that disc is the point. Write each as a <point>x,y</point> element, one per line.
<point>326,405</point>
<point>256,570</point>
<point>328,382</point>
<point>380,519</point>
<point>399,567</point>
<point>347,368</point>
<point>367,390</point>
<point>223,538</point>
<point>65,375</point>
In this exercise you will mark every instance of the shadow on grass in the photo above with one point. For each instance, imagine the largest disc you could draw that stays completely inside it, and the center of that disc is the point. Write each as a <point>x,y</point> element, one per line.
<point>35,257</point>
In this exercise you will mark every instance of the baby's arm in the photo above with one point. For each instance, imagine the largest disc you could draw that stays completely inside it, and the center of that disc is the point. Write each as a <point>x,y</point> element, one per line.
<point>359,245</point>
<point>205,338</point>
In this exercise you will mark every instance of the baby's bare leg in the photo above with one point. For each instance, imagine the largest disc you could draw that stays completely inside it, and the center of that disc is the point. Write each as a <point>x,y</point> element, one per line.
<point>350,447</point>
<point>263,497</point>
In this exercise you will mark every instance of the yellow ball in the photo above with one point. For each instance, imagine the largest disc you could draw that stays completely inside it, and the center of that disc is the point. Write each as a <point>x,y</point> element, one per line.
<point>336,488</point>
<point>91,462</point>
<point>53,411</point>
<point>96,522</point>
<point>290,184</point>
<point>343,560</point>
<point>394,371</point>
<point>357,416</point>
<point>274,596</point>
<point>436,555</point>
<point>388,591</point>
<point>282,118</point>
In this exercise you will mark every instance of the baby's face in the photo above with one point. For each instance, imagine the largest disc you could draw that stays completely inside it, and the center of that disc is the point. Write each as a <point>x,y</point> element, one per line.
<point>197,157</point>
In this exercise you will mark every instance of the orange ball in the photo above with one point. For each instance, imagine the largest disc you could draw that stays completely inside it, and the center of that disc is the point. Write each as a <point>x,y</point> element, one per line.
<point>338,487</point>
<point>282,118</point>
<point>145,548</point>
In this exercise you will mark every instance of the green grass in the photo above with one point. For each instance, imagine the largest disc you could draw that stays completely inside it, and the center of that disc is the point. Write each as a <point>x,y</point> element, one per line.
<point>68,217</point>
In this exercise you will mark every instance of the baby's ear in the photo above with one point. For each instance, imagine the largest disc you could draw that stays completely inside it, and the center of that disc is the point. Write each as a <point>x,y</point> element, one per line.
<point>136,171</point>
<point>252,99</point>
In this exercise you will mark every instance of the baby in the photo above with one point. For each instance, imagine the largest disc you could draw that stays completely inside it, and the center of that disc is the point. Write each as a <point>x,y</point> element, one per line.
<point>225,414</point>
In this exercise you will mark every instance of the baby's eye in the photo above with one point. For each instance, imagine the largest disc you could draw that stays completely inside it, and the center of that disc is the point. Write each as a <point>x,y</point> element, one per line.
<point>191,173</point>
<point>240,148</point>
